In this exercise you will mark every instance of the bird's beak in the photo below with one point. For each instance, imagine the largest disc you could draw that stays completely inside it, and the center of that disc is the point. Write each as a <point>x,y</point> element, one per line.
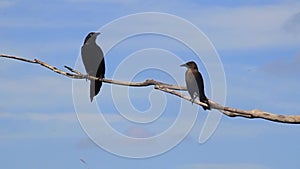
<point>97,33</point>
<point>184,65</point>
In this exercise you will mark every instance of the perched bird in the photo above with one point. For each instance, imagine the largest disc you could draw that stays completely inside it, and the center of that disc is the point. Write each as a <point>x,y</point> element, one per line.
<point>93,60</point>
<point>194,83</point>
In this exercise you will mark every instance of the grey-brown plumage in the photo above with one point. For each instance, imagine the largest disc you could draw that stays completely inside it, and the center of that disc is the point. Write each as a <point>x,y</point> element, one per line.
<point>93,61</point>
<point>194,83</point>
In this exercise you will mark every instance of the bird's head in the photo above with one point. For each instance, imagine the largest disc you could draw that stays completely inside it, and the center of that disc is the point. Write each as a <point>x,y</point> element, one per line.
<point>91,36</point>
<point>190,65</point>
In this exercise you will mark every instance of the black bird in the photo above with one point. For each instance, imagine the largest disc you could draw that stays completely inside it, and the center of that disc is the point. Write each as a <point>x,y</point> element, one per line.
<point>194,83</point>
<point>93,60</point>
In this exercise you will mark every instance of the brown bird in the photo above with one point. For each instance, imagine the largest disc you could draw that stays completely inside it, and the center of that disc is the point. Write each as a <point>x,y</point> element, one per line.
<point>93,61</point>
<point>194,83</point>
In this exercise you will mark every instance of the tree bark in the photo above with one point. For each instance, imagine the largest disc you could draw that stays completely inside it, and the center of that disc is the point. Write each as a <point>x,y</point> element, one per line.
<point>171,89</point>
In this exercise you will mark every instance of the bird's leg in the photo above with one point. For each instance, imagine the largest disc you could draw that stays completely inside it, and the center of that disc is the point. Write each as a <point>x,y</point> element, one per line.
<point>86,77</point>
<point>193,99</point>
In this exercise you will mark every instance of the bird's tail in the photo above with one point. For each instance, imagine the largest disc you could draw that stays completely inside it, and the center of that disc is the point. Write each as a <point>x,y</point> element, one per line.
<point>94,88</point>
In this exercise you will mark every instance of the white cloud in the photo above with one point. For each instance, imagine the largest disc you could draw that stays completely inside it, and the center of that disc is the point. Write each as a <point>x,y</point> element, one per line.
<point>229,28</point>
<point>105,1</point>
<point>247,27</point>
<point>242,27</point>
<point>284,66</point>
<point>292,25</point>
<point>225,166</point>
<point>38,125</point>
<point>6,3</point>
<point>44,125</point>
<point>35,91</point>
<point>40,117</point>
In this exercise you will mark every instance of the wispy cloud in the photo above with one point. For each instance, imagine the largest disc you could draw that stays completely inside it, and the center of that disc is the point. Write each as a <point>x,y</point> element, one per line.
<point>106,1</point>
<point>37,125</point>
<point>225,166</point>
<point>270,87</point>
<point>284,66</point>
<point>241,27</point>
<point>244,27</point>
<point>292,24</point>
<point>41,125</point>
<point>33,92</point>
<point>66,117</point>
<point>86,143</point>
<point>248,26</point>
<point>6,3</point>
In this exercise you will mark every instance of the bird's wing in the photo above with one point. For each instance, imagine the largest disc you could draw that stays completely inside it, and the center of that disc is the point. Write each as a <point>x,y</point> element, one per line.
<point>191,84</point>
<point>92,57</point>
<point>200,85</point>
<point>101,67</point>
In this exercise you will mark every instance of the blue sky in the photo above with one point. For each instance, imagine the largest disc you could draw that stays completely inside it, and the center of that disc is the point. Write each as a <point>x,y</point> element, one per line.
<point>258,44</point>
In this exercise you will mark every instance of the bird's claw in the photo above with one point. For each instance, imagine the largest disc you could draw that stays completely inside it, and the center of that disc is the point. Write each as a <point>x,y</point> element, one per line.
<point>86,77</point>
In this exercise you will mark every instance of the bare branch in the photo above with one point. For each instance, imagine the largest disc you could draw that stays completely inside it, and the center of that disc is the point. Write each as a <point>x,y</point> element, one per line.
<point>148,82</point>
<point>169,88</point>
<point>233,112</point>
<point>17,58</point>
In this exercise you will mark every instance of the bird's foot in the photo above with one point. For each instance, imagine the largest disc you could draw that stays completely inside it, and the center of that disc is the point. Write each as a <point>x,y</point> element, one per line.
<point>193,100</point>
<point>86,77</point>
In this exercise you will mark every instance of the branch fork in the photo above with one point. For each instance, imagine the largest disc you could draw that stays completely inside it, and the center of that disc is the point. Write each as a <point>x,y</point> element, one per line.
<point>171,89</point>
